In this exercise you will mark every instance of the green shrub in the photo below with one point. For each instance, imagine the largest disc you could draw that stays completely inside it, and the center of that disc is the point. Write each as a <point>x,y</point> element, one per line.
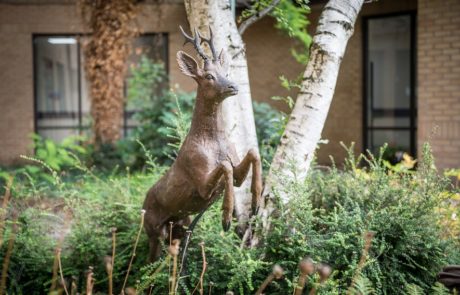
<point>269,126</point>
<point>332,211</point>
<point>159,113</point>
<point>326,219</point>
<point>81,213</point>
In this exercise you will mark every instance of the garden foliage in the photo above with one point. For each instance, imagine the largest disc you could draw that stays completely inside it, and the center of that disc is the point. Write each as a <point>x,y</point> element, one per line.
<point>327,220</point>
<point>71,197</point>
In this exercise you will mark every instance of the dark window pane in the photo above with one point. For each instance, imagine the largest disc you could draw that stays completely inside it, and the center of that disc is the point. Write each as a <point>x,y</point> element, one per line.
<point>389,72</point>
<point>389,110</point>
<point>56,83</point>
<point>397,140</point>
<point>62,92</point>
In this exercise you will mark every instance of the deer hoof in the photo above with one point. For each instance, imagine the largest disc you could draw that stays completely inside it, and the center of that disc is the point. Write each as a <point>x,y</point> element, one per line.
<point>255,210</point>
<point>226,224</point>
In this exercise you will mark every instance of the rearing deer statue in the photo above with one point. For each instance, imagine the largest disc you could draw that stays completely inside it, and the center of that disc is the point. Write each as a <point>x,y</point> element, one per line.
<point>207,163</point>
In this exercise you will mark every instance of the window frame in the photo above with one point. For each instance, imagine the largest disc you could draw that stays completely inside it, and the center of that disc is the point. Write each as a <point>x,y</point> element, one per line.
<point>413,80</point>
<point>80,127</point>
<point>35,74</point>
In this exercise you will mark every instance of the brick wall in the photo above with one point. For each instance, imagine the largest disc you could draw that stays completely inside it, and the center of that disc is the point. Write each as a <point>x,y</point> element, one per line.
<point>439,79</point>
<point>18,23</point>
<point>268,58</point>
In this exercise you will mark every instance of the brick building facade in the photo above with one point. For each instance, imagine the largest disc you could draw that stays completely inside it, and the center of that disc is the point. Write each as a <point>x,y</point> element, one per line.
<point>427,43</point>
<point>438,64</point>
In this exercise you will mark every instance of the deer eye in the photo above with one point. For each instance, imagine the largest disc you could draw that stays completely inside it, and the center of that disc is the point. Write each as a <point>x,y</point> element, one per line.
<point>209,77</point>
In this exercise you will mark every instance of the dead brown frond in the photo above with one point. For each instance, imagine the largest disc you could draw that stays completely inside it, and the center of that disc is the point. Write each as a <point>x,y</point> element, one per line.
<point>200,282</point>
<point>141,226</point>
<point>174,252</point>
<point>110,266</point>
<point>73,286</point>
<point>89,281</point>
<point>109,269</point>
<point>276,274</point>
<point>368,237</point>
<point>6,199</point>
<point>307,268</point>
<point>324,271</point>
<point>63,283</point>
<point>57,258</point>
<point>9,251</point>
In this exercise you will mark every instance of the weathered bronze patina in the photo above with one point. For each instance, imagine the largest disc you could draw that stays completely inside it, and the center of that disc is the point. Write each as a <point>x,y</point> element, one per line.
<point>207,163</point>
<point>450,277</point>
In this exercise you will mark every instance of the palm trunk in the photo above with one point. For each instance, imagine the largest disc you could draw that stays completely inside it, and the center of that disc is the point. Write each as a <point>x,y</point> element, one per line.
<point>303,131</point>
<point>237,110</point>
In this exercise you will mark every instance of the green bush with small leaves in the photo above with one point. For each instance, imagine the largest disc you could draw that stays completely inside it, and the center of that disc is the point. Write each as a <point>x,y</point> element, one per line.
<point>59,203</point>
<point>327,219</point>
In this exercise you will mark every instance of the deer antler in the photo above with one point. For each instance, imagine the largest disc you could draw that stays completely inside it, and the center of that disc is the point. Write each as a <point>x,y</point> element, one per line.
<point>211,45</point>
<point>196,41</point>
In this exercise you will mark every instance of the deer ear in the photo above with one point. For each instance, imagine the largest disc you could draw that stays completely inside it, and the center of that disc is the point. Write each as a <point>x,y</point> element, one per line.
<point>223,59</point>
<point>187,64</point>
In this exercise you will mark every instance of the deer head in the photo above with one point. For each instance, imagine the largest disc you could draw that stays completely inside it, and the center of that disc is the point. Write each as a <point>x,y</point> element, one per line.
<point>213,84</point>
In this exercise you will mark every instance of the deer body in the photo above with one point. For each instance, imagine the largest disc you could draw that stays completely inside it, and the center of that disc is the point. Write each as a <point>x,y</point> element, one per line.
<point>207,163</point>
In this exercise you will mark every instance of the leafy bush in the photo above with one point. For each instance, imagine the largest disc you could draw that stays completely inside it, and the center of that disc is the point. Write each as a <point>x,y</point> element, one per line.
<point>332,212</point>
<point>159,112</point>
<point>327,219</point>
<point>269,126</point>
<point>76,216</point>
<point>51,160</point>
<point>61,203</point>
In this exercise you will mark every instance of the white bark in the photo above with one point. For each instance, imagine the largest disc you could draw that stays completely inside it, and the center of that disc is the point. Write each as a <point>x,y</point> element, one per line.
<point>303,131</point>
<point>239,116</point>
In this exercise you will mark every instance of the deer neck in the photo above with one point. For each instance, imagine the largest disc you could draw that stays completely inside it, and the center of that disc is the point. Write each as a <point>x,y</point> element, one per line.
<point>207,118</point>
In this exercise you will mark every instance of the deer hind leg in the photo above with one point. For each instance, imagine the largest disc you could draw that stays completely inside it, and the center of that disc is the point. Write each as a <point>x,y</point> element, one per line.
<point>240,172</point>
<point>154,248</point>
<point>155,240</point>
<point>154,225</point>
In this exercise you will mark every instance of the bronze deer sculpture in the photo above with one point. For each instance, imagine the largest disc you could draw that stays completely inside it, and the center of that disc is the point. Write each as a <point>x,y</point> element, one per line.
<point>207,163</point>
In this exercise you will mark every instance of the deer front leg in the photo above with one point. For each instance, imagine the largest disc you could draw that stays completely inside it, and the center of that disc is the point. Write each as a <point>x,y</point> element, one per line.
<point>224,169</point>
<point>240,172</point>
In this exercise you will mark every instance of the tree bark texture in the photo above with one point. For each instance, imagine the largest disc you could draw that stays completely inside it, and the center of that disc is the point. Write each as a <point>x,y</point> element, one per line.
<point>303,131</point>
<point>237,110</point>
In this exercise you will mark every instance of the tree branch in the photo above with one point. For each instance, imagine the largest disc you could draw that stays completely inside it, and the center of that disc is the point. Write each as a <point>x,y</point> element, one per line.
<point>246,23</point>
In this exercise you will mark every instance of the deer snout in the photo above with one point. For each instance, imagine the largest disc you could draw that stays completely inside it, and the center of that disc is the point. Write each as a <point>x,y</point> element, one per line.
<point>232,89</point>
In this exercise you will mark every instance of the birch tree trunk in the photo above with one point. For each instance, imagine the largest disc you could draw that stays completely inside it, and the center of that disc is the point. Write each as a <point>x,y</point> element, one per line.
<point>303,131</point>
<point>238,112</point>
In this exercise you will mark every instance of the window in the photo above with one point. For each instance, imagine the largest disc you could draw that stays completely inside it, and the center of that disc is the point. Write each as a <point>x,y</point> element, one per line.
<point>62,103</point>
<point>389,73</point>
